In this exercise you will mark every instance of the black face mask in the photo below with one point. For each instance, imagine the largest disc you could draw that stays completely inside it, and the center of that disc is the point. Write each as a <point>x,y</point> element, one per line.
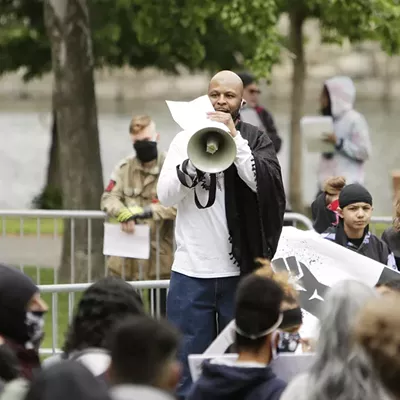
<point>146,150</point>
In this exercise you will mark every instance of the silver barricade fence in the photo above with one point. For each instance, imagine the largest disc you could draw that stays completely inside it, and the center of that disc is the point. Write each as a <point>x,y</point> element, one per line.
<point>33,240</point>
<point>297,219</point>
<point>72,288</point>
<point>379,224</point>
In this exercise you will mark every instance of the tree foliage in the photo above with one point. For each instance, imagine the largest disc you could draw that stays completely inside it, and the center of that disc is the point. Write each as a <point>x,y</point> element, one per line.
<point>183,25</point>
<point>127,32</point>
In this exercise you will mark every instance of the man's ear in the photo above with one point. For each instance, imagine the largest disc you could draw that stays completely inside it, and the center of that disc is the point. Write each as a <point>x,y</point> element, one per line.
<point>243,103</point>
<point>340,212</point>
<point>157,137</point>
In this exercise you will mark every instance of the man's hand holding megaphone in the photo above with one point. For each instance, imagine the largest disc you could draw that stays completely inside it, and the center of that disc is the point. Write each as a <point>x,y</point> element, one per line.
<point>225,118</point>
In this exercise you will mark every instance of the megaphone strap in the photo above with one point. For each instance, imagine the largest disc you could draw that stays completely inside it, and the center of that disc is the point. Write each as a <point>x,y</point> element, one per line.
<point>211,196</point>
<point>182,175</point>
<point>213,184</point>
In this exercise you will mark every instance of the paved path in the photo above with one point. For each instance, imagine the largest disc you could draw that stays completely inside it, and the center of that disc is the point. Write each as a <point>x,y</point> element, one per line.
<point>30,251</point>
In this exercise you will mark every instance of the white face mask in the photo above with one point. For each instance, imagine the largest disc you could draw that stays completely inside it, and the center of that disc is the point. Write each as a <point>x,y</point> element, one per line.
<point>35,325</point>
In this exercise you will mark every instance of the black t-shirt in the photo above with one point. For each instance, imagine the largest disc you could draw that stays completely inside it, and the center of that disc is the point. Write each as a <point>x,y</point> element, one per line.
<point>356,242</point>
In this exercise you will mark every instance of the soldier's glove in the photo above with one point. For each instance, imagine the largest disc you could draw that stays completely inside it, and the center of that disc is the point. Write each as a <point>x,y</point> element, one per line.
<point>134,213</point>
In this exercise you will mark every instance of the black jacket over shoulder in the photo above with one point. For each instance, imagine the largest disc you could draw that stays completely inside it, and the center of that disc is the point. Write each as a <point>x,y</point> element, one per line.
<point>255,220</point>
<point>371,246</point>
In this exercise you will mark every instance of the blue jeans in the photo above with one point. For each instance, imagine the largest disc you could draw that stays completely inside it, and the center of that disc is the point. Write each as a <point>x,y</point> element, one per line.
<point>200,309</point>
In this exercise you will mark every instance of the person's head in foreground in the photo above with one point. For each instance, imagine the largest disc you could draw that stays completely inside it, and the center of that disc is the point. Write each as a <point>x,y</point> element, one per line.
<point>67,381</point>
<point>144,352</point>
<point>288,337</point>
<point>144,138</point>
<point>102,305</point>
<point>257,317</point>
<point>22,313</point>
<point>377,331</point>
<point>389,287</point>
<point>355,209</point>
<point>341,368</point>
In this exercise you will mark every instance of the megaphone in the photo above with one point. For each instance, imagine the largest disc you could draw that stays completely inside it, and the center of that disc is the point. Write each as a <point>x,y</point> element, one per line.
<point>211,149</point>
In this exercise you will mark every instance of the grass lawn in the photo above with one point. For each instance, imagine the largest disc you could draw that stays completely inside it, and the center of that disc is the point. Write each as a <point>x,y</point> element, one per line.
<point>31,226</point>
<point>50,226</point>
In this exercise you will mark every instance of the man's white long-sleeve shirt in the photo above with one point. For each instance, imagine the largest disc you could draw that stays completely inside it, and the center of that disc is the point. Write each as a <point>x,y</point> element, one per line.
<point>202,237</point>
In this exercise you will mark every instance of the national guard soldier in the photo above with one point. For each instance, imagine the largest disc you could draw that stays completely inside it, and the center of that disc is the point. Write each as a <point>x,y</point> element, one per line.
<point>131,197</point>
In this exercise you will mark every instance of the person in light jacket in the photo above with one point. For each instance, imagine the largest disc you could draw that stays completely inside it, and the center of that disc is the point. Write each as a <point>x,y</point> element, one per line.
<point>350,136</point>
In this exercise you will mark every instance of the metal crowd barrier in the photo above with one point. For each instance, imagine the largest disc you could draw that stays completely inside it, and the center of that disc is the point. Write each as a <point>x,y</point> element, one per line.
<point>71,289</point>
<point>32,240</point>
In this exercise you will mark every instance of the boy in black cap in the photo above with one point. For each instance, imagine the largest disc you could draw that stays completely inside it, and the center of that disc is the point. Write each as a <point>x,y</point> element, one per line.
<point>352,231</point>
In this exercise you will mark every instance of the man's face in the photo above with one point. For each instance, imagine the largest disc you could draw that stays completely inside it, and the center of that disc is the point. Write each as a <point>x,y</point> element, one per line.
<point>251,94</point>
<point>225,97</point>
<point>356,216</point>
<point>147,134</point>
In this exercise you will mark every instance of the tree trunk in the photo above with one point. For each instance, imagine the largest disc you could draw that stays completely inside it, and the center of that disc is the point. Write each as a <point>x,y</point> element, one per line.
<point>74,102</point>
<point>53,169</point>
<point>297,19</point>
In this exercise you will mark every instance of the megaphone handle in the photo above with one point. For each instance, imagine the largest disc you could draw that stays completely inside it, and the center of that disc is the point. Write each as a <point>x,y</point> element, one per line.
<point>211,196</point>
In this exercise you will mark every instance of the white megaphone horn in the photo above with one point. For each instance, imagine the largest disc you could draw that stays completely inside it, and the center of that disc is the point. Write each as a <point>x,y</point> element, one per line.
<point>211,149</point>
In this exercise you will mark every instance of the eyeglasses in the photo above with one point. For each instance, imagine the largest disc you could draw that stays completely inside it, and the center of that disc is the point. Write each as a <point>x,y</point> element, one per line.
<point>255,91</point>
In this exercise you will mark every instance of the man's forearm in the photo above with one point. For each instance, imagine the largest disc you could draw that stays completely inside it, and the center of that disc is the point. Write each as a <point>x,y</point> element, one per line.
<point>245,162</point>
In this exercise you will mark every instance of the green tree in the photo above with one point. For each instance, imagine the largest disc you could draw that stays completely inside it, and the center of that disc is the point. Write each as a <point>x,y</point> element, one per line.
<point>120,37</point>
<point>74,102</point>
<point>357,21</point>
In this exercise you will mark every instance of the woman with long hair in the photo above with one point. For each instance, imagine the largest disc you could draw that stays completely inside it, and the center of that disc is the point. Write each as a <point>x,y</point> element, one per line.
<point>341,369</point>
<point>377,331</point>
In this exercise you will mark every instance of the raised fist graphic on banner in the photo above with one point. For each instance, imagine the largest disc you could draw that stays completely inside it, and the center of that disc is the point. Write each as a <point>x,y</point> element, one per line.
<point>311,291</point>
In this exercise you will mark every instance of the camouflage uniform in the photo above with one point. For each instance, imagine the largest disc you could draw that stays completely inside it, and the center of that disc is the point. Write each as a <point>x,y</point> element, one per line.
<point>131,185</point>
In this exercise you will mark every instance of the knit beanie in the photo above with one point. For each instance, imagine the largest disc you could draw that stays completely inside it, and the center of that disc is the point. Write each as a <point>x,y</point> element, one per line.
<point>354,193</point>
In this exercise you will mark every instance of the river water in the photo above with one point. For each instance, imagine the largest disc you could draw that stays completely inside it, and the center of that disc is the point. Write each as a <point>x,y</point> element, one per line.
<point>25,140</point>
